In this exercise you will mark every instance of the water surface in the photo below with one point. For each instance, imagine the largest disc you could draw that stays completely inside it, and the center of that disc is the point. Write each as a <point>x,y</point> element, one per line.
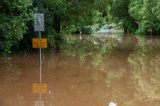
<point>120,69</point>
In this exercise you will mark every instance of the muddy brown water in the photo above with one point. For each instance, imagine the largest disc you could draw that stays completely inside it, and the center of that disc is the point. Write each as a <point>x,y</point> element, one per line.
<point>127,77</point>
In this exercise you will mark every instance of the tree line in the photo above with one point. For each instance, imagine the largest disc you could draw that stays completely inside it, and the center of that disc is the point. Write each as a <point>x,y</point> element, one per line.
<point>70,16</point>
<point>140,16</point>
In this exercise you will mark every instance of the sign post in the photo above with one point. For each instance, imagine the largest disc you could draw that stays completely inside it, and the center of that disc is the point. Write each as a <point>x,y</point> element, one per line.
<point>39,43</point>
<point>39,26</point>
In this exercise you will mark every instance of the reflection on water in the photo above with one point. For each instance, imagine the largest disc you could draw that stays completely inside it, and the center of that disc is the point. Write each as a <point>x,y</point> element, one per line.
<point>146,75</point>
<point>121,70</point>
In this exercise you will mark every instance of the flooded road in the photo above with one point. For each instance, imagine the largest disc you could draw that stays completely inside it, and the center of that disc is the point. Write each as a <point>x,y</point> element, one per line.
<point>123,70</point>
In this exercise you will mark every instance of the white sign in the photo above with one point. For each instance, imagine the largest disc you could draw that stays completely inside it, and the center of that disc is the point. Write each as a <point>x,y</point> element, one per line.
<point>39,103</point>
<point>39,22</point>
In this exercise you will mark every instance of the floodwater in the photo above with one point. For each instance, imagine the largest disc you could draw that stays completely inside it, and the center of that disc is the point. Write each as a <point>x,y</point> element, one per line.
<point>124,70</point>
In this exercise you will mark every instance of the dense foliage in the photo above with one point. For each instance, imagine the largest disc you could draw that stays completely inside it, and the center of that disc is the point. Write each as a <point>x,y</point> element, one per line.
<point>141,16</point>
<point>70,16</point>
<point>146,13</point>
<point>14,15</point>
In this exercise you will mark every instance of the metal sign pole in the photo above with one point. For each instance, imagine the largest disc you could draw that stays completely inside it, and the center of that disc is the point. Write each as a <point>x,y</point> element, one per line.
<point>40,61</point>
<point>40,66</point>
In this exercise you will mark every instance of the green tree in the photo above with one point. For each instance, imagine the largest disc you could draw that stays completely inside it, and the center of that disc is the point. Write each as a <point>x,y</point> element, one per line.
<point>14,15</point>
<point>135,9</point>
<point>146,14</point>
<point>157,12</point>
<point>72,15</point>
<point>120,12</point>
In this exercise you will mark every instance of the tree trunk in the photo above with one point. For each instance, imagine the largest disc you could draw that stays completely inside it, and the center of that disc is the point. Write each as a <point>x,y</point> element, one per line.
<point>56,26</point>
<point>125,27</point>
<point>125,30</point>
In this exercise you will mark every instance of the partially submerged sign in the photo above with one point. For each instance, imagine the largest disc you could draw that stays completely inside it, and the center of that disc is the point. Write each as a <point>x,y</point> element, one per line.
<point>39,103</point>
<point>39,22</point>
<point>39,42</point>
<point>40,88</point>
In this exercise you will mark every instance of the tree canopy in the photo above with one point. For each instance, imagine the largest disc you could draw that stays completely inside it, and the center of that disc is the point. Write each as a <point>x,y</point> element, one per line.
<point>13,17</point>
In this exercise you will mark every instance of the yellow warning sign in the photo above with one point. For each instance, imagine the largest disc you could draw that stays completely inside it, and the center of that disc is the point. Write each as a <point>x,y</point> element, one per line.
<point>40,88</point>
<point>39,42</point>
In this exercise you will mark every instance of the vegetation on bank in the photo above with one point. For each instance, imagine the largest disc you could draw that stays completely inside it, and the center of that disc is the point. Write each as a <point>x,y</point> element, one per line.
<point>63,17</point>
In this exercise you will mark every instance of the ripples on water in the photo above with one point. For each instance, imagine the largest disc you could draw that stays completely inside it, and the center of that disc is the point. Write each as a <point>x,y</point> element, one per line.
<point>122,70</point>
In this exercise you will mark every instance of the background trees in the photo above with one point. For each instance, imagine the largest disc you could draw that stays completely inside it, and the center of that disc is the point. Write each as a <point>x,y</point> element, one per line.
<point>14,14</point>
<point>137,15</point>
<point>120,12</point>
<point>61,16</point>
<point>145,12</point>
<point>68,16</point>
